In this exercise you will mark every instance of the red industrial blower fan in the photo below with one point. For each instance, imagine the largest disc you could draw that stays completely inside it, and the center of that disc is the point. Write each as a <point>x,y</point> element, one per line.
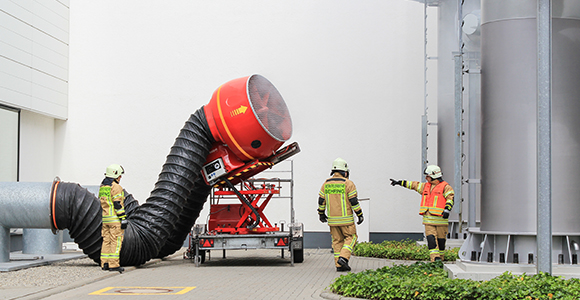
<point>250,122</point>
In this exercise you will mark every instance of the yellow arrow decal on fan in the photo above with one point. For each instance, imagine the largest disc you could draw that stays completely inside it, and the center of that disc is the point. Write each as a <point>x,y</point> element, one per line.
<point>226,125</point>
<point>238,111</point>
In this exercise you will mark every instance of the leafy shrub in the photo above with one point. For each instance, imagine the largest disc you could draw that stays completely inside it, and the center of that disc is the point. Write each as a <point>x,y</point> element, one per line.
<point>429,281</point>
<point>404,250</point>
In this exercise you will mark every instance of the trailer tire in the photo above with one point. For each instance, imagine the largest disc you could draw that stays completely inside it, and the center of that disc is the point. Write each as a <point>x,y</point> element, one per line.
<point>298,255</point>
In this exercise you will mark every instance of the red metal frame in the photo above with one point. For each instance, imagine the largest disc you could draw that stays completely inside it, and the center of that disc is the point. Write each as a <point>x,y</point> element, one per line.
<point>238,218</point>
<point>253,196</point>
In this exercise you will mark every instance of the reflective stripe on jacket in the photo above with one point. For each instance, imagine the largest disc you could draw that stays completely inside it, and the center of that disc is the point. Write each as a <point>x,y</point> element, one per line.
<point>433,200</point>
<point>337,193</point>
<point>428,207</point>
<point>108,194</point>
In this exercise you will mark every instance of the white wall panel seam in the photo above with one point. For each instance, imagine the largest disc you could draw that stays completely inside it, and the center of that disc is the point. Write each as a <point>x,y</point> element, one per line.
<point>50,82</point>
<point>21,34</point>
<point>8,51</point>
<point>64,3</point>
<point>16,83</point>
<point>50,44</point>
<point>32,68</point>
<point>15,69</point>
<point>49,68</point>
<point>58,9</point>
<point>49,95</point>
<point>17,99</point>
<point>18,33</point>
<point>34,24</point>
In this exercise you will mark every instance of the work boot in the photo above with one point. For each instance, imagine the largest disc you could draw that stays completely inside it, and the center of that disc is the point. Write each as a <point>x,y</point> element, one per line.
<point>105,267</point>
<point>117,269</point>
<point>340,269</point>
<point>343,262</point>
<point>433,256</point>
<point>438,258</point>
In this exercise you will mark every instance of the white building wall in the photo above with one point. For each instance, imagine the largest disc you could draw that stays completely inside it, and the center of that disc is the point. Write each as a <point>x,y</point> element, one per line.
<point>9,128</point>
<point>34,80</point>
<point>36,147</point>
<point>34,56</point>
<point>351,73</point>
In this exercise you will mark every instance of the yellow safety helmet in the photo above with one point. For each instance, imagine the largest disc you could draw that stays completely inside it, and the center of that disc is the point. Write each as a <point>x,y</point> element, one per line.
<point>433,171</point>
<point>340,164</point>
<point>114,171</point>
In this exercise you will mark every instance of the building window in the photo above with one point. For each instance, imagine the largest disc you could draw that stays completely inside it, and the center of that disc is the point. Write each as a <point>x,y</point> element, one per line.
<point>9,145</point>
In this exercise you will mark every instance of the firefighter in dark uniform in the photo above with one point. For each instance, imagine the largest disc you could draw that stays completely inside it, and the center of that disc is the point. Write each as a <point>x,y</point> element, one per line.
<point>338,197</point>
<point>436,204</point>
<point>112,200</point>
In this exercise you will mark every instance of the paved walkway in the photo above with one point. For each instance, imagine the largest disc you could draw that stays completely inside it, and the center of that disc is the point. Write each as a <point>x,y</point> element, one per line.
<point>243,274</point>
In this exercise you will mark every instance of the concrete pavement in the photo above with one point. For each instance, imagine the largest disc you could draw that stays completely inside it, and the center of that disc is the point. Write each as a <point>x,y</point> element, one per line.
<point>243,274</point>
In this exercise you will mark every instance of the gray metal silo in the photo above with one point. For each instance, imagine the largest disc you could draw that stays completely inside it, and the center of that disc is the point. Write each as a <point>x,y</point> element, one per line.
<point>508,134</point>
<point>509,117</point>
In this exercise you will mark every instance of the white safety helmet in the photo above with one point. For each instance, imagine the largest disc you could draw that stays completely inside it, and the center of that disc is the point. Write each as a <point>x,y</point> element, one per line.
<point>114,171</point>
<point>339,164</point>
<point>433,171</point>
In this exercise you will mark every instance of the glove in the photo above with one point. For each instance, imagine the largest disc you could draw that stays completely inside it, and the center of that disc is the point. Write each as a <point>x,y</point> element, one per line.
<point>360,219</point>
<point>117,205</point>
<point>445,214</point>
<point>124,224</point>
<point>323,218</point>
<point>396,182</point>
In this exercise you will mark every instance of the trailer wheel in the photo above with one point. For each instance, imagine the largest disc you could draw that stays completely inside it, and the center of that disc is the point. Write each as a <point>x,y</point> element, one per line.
<point>298,255</point>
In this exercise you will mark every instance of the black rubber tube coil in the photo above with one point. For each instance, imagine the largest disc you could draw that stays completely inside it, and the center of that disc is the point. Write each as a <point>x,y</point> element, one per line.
<point>159,226</point>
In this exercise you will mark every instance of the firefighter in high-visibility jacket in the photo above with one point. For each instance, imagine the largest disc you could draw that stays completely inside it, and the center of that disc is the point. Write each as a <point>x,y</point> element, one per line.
<point>338,197</point>
<point>436,204</point>
<point>112,200</point>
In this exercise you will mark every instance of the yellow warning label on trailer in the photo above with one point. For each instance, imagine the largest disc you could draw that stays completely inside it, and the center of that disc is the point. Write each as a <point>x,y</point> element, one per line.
<point>133,290</point>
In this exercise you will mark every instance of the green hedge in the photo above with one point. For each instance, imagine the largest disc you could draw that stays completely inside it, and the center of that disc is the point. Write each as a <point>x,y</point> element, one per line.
<point>425,280</point>
<point>405,250</point>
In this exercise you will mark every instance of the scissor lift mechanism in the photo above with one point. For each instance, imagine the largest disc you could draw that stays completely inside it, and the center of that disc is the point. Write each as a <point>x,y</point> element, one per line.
<point>243,224</point>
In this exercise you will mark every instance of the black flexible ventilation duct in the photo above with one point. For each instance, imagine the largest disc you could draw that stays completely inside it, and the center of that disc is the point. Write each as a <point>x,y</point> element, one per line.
<point>159,226</point>
<point>187,218</point>
<point>79,211</point>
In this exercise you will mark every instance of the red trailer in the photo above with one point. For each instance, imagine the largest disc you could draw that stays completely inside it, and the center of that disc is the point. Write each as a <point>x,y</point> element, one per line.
<point>237,218</point>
